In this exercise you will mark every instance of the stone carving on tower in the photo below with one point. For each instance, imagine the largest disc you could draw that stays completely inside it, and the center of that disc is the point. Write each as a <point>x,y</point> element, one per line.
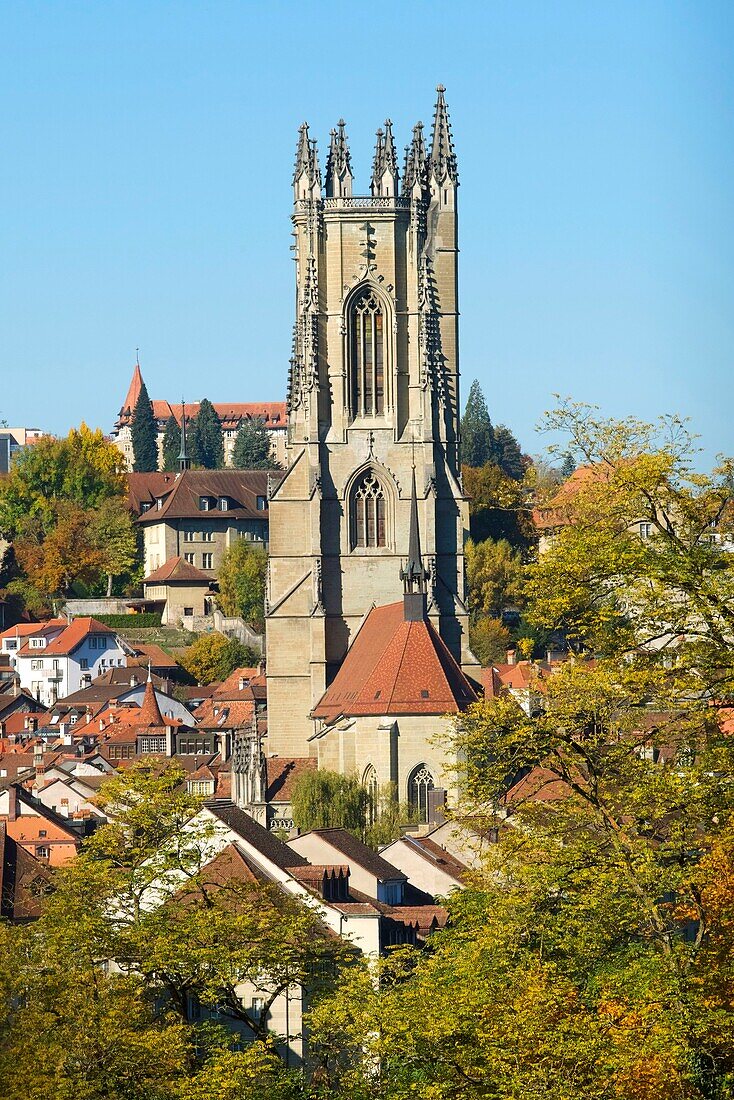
<point>373,409</point>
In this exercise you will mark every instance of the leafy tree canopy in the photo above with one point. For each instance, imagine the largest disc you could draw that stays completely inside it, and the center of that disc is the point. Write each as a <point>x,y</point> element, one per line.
<point>242,583</point>
<point>324,800</point>
<point>214,657</point>
<point>83,468</point>
<point>494,574</point>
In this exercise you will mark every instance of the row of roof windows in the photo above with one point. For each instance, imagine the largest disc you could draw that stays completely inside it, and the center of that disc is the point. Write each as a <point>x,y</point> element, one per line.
<point>207,504</point>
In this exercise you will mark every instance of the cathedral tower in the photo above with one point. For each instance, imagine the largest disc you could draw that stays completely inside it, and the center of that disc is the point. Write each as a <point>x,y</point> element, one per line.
<point>373,396</point>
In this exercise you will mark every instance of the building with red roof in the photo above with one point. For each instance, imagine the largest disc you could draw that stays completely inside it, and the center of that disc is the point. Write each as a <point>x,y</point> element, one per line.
<point>64,657</point>
<point>231,413</point>
<point>397,689</point>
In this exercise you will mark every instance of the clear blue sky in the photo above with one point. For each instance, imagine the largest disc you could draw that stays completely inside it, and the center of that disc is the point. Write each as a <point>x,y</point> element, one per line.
<point>145,194</point>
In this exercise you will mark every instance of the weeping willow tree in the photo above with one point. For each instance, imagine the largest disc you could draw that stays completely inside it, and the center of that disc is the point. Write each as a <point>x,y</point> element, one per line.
<point>327,800</point>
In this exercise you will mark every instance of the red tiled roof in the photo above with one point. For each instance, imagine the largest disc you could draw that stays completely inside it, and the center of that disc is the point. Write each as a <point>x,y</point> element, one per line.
<point>133,393</point>
<point>177,570</point>
<point>396,667</point>
<point>73,636</point>
<point>231,413</point>
<point>282,774</point>
<point>150,713</point>
<point>539,785</point>
<point>232,714</point>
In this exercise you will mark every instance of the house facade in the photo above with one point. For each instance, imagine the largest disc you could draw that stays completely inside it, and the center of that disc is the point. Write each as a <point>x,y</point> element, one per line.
<point>196,515</point>
<point>59,660</point>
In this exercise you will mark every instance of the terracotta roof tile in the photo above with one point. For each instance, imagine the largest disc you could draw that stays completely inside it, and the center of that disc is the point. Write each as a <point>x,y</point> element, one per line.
<point>177,569</point>
<point>396,667</point>
<point>282,774</point>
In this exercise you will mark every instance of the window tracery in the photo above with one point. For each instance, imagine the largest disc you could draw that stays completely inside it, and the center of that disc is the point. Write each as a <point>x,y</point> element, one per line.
<point>367,354</point>
<point>369,782</point>
<point>369,512</point>
<point>420,782</point>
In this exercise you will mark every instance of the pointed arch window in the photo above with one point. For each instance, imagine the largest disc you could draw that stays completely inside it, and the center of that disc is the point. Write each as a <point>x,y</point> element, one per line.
<point>367,354</point>
<point>369,782</point>
<point>369,512</point>
<point>420,782</point>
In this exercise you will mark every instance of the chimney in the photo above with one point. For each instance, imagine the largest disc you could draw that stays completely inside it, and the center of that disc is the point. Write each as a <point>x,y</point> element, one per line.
<point>12,803</point>
<point>32,723</point>
<point>512,656</point>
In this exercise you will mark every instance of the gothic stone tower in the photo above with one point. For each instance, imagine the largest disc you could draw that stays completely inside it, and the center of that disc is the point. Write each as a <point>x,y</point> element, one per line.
<point>373,392</point>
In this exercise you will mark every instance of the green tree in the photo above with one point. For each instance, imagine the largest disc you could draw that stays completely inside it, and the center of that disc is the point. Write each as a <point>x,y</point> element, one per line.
<point>144,434</point>
<point>171,444</point>
<point>68,553</point>
<point>140,896</point>
<point>83,468</point>
<point>252,449</point>
<point>113,532</point>
<point>507,454</point>
<point>207,443</point>
<point>641,556</point>
<point>213,657</point>
<point>477,435</point>
<point>489,640</point>
<point>242,583</point>
<point>326,800</point>
<point>494,574</point>
<point>498,506</point>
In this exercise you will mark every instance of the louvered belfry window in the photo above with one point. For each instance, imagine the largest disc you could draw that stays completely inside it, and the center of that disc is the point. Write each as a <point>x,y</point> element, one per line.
<point>369,525</point>
<point>368,356</point>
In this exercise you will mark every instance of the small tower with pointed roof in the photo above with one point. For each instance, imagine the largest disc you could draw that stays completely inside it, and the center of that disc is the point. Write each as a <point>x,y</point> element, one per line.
<point>184,462</point>
<point>339,164</point>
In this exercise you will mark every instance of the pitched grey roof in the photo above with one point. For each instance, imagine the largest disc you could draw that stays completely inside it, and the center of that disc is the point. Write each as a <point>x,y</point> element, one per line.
<point>268,845</point>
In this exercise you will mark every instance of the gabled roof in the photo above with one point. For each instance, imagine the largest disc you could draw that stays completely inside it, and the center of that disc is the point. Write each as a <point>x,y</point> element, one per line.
<point>268,845</point>
<point>177,570</point>
<point>358,854</point>
<point>181,493</point>
<point>396,667</point>
<point>68,640</point>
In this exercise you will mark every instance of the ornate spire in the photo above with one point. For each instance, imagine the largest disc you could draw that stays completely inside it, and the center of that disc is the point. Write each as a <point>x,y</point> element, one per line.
<point>443,157</point>
<point>385,162</point>
<point>339,163</point>
<point>307,164</point>
<point>413,575</point>
<point>378,164</point>
<point>184,462</point>
<point>415,160</point>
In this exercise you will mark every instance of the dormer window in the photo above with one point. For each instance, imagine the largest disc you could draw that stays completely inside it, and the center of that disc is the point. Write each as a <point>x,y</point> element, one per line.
<point>159,503</point>
<point>262,503</point>
<point>145,506</point>
<point>224,504</point>
<point>204,504</point>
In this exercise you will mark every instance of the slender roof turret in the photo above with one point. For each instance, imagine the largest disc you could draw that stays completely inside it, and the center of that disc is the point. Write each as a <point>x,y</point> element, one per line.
<point>415,160</point>
<point>443,157</point>
<point>339,163</point>
<point>413,575</point>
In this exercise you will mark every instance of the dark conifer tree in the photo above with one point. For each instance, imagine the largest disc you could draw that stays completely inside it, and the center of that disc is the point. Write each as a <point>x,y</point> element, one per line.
<point>171,444</point>
<point>206,442</point>
<point>477,435</point>
<point>252,447</point>
<point>507,453</point>
<point>568,465</point>
<point>144,432</point>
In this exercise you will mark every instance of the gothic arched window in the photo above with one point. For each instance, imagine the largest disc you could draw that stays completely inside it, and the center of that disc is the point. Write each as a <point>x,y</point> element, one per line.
<point>369,782</point>
<point>369,512</point>
<point>420,782</point>
<point>367,354</point>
